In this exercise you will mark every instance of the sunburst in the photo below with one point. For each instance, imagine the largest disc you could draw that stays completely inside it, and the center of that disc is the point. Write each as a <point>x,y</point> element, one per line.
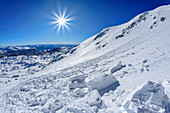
<point>61,20</point>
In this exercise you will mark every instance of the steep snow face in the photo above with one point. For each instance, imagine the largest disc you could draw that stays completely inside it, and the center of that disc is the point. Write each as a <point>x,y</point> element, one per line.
<point>147,24</point>
<point>136,52</point>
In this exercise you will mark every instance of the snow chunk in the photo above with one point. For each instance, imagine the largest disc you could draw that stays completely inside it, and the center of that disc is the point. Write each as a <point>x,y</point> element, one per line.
<point>77,82</point>
<point>105,111</point>
<point>76,107</point>
<point>100,80</point>
<point>80,92</point>
<point>93,98</point>
<point>55,107</point>
<point>117,67</point>
<point>150,98</point>
<point>33,103</point>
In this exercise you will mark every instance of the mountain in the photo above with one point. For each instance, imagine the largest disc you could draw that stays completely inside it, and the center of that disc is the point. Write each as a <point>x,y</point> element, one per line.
<point>148,28</point>
<point>38,47</point>
<point>17,63</point>
<point>123,68</point>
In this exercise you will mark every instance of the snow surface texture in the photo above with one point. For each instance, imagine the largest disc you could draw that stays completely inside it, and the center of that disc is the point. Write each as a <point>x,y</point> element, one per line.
<point>18,67</point>
<point>133,58</point>
<point>150,98</point>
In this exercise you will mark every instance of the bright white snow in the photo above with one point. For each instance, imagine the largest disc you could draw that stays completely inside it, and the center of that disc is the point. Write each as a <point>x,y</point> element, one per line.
<point>123,68</point>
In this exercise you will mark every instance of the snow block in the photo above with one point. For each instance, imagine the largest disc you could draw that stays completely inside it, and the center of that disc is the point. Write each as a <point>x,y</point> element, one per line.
<point>77,82</point>
<point>33,103</point>
<point>109,88</point>
<point>117,67</point>
<point>150,98</point>
<point>100,81</point>
<point>80,92</point>
<point>55,107</point>
<point>75,107</point>
<point>93,98</point>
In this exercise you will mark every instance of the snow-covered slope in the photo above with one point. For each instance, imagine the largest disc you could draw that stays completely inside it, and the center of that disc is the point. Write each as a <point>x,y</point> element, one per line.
<point>148,28</point>
<point>18,67</point>
<point>124,68</point>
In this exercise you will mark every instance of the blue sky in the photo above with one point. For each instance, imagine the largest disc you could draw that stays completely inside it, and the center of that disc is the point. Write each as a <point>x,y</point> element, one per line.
<point>27,21</point>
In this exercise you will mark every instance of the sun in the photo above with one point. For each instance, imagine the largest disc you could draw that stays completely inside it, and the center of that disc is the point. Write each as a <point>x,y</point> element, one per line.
<point>61,20</point>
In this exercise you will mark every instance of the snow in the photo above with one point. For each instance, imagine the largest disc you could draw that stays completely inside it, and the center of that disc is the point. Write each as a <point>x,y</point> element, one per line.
<point>93,98</point>
<point>150,98</point>
<point>117,67</point>
<point>100,81</point>
<point>124,70</point>
<point>77,82</point>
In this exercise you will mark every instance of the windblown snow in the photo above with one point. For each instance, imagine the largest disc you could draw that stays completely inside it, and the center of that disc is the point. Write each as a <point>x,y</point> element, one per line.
<point>122,69</point>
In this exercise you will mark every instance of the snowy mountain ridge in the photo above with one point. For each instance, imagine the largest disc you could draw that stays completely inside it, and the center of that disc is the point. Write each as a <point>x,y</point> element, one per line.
<point>118,36</point>
<point>122,69</point>
<point>38,47</point>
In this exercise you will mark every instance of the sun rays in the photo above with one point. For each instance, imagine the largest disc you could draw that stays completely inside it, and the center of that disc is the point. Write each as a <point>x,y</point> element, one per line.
<point>61,20</point>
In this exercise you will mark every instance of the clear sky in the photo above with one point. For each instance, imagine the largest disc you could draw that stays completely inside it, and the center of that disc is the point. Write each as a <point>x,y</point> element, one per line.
<point>27,21</point>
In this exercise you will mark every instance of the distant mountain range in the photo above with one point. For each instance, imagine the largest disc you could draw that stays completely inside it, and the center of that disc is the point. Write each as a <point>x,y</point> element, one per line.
<point>38,47</point>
